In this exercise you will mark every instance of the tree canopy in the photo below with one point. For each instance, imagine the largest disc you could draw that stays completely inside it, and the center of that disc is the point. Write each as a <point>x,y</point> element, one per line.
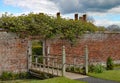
<point>45,26</point>
<point>113,28</point>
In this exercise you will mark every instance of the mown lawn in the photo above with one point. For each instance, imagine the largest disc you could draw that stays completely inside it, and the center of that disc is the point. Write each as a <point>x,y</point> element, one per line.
<point>53,80</point>
<point>109,75</point>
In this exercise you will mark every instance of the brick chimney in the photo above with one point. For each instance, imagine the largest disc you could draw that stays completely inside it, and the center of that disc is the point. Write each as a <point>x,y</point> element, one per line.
<point>84,17</point>
<point>81,18</point>
<point>41,13</point>
<point>76,16</point>
<point>58,15</point>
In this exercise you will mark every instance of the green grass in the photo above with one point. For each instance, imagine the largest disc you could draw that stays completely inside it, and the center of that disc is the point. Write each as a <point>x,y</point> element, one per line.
<point>117,67</point>
<point>53,80</point>
<point>109,75</point>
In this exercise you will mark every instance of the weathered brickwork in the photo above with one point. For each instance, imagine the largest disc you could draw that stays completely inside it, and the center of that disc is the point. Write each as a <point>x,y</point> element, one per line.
<point>13,53</point>
<point>100,45</point>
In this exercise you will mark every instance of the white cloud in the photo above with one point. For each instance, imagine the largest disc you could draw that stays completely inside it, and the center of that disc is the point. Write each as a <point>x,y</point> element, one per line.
<point>69,7</point>
<point>83,6</point>
<point>101,20</point>
<point>114,10</point>
<point>105,22</point>
<point>44,6</point>
<point>0,14</point>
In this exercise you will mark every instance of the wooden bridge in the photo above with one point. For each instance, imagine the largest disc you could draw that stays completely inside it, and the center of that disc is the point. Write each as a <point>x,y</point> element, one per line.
<point>55,65</point>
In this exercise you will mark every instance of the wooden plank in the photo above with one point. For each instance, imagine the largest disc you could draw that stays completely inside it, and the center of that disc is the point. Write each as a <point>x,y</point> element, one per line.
<point>86,59</point>
<point>63,61</point>
<point>29,54</point>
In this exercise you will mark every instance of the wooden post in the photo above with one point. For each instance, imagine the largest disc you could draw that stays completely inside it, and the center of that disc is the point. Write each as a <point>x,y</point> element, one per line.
<point>29,54</point>
<point>48,55</point>
<point>36,60</point>
<point>63,60</point>
<point>44,51</point>
<point>74,64</point>
<point>53,66</point>
<point>48,50</point>
<point>40,67</point>
<point>86,59</point>
<point>48,68</point>
<point>74,60</point>
<point>57,69</point>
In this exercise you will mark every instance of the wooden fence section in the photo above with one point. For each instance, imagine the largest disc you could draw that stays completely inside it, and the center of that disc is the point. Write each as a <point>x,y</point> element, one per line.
<point>52,65</point>
<point>55,65</point>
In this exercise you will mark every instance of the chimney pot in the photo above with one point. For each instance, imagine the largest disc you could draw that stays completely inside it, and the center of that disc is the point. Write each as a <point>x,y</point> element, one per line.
<point>84,17</point>
<point>80,18</point>
<point>71,19</point>
<point>76,16</point>
<point>58,15</point>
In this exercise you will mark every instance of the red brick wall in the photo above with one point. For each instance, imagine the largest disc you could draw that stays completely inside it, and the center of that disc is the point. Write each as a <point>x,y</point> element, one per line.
<point>100,45</point>
<point>13,53</point>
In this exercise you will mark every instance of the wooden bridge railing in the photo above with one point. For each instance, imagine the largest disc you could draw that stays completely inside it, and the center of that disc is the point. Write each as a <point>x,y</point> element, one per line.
<point>54,65</point>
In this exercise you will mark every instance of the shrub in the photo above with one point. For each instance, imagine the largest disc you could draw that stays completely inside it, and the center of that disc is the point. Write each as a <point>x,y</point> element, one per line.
<point>83,71</point>
<point>72,69</point>
<point>23,75</point>
<point>110,65</point>
<point>91,68</point>
<point>75,69</point>
<point>68,69</point>
<point>40,59</point>
<point>13,76</point>
<point>98,68</point>
<point>117,66</point>
<point>37,50</point>
<point>7,76</point>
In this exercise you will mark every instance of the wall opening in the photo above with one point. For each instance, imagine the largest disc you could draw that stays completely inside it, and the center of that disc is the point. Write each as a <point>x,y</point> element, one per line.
<point>37,50</point>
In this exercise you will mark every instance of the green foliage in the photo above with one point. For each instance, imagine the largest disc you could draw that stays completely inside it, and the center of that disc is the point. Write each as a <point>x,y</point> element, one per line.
<point>7,76</point>
<point>91,68</point>
<point>109,63</point>
<point>13,76</point>
<point>45,26</point>
<point>96,68</point>
<point>108,75</point>
<point>101,28</point>
<point>117,66</point>
<point>40,60</point>
<point>52,80</point>
<point>75,70</point>
<point>24,75</point>
<point>37,50</point>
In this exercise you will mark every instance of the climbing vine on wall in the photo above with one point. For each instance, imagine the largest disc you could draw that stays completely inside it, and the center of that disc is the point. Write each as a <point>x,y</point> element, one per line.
<point>45,26</point>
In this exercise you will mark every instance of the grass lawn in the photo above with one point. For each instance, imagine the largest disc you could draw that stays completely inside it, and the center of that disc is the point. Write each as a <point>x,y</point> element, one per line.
<point>53,80</point>
<point>109,75</point>
<point>117,67</point>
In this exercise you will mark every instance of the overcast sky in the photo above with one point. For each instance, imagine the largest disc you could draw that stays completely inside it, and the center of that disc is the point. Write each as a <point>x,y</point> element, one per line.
<point>105,12</point>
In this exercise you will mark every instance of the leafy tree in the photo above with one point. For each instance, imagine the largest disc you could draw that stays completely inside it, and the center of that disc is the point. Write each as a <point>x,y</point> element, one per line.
<point>101,28</point>
<point>114,28</point>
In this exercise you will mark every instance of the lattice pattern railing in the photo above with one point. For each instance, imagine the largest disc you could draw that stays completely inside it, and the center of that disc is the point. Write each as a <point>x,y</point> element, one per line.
<point>57,65</point>
<point>50,65</point>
